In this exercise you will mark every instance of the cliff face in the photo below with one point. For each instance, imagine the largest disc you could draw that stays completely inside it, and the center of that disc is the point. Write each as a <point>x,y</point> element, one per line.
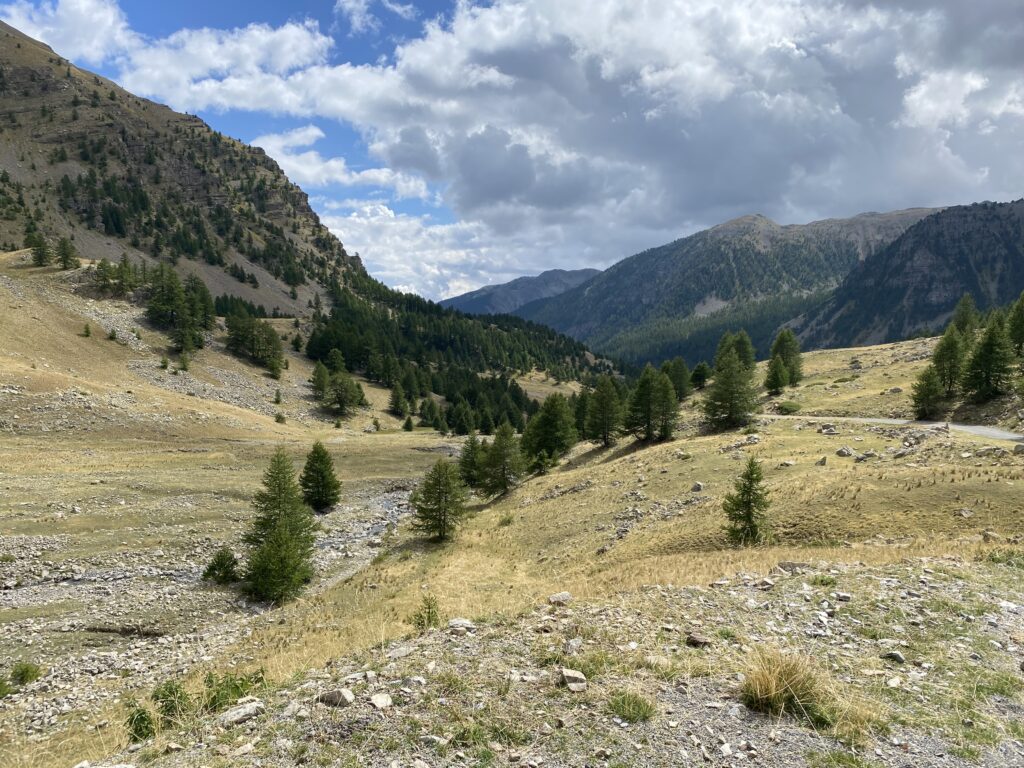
<point>913,284</point>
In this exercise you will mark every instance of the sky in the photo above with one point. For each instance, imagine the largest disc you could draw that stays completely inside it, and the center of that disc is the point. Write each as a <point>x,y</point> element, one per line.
<point>454,143</point>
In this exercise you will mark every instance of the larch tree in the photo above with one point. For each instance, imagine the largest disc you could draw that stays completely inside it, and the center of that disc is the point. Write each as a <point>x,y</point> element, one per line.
<point>440,501</point>
<point>747,506</point>
<point>604,415</point>
<point>321,488</point>
<point>731,398</point>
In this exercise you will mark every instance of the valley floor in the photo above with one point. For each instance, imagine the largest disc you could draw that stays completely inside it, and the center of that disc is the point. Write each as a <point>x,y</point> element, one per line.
<point>118,479</point>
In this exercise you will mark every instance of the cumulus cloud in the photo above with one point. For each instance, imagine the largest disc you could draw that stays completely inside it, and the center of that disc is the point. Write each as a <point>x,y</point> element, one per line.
<point>88,31</point>
<point>310,169</point>
<point>575,133</point>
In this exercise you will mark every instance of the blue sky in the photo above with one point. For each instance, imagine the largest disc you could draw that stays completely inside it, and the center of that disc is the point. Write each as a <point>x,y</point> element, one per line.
<point>454,144</point>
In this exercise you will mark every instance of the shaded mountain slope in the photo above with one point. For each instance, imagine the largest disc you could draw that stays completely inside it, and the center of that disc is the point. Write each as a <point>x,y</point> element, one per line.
<point>508,297</point>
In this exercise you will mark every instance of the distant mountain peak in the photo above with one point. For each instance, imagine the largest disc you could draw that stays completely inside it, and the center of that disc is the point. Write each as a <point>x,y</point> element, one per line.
<point>506,298</point>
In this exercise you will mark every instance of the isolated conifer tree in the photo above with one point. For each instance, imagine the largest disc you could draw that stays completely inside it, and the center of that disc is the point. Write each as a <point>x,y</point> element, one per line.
<point>321,380</point>
<point>604,416</point>
<point>731,397</point>
<point>320,486</point>
<point>42,256</point>
<point>398,405</point>
<point>502,466</point>
<point>408,425</point>
<point>928,394</point>
<point>990,370</point>
<point>787,346</point>
<point>440,501</point>
<point>551,431</point>
<point>470,461</point>
<point>281,535</point>
<point>66,256</point>
<point>640,417</point>
<point>664,407</point>
<point>746,508</point>
<point>948,359</point>
<point>778,375</point>
<point>343,393</point>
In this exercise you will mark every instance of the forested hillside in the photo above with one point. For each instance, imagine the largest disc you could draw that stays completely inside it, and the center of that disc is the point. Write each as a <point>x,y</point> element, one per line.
<point>123,181</point>
<point>911,286</point>
<point>749,272</point>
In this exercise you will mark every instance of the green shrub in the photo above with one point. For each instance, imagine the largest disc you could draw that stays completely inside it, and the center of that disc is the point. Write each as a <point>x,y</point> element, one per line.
<point>87,331</point>
<point>173,702</point>
<point>428,615</point>
<point>112,336</point>
<point>280,418</point>
<point>223,567</point>
<point>139,723</point>
<point>221,692</point>
<point>25,672</point>
<point>6,689</point>
<point>631,707</point>
<point>164,362</point>
<point>788,407</point>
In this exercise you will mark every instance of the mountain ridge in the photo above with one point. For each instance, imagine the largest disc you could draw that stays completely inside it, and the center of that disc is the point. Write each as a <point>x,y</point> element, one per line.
<point>505,298</point>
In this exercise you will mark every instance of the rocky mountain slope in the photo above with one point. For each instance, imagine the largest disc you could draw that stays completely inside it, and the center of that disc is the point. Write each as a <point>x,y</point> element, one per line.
<point>749,271</point>
<point>508,297</point>
<point>912,285</point>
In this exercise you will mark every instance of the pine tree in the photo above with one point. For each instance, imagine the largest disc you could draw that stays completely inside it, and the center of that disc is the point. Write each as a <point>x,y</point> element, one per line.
<point>398,405</point>
<point>731,398</point>
<point>408,425</point>
<point>502,467</point>
<point>948,359</point>
<point>778,375</point>
<point>281,535</point>
<point>1015,326</point>
<point>320,487</point>
<point>744,349</point>
<point>551,431</point>
<point>966,318</point>
<point>66,255</point>
<point>928,394</point>
<point>664,407</point>
<point>679,374</point>
<point>701,375</point>
<point>746,508</point>
<point>440,501</point>
<point>321,380</point>
<point>640,419</point>
<point>470,461</point>
<point>787,346</point>
<point>42,256</point>
<point>580,404</point>
<point>604,416</point>
<point>343,393</point>
<point>990,370</point>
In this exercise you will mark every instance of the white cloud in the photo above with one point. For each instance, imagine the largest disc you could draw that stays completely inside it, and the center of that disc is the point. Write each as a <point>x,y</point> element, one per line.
<point>88,31</point>
<point>573,133</point>
<point>311,169</point>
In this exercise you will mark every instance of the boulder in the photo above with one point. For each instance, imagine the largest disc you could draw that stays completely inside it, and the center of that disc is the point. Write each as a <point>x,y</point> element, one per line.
<point>381,701</point>
<point>460,626</point>
<point>696,640</point>
<point>574,680</point>
<point>697,487</point>
<point>821,462</point>
<point>341,697</point>
<point>560,598</point>
<point>242,713</point>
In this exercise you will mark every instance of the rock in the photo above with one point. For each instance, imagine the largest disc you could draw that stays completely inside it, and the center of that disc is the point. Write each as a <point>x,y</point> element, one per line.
<point>574,680</point>
<point>381,701</point>
<point>460,626</point>
<point>845,452</point>
<point>1018,449</point>
<point>572,646</point>
<point>695,640</point>
<point>560,598</point>
<point>753,439</point>
<point>429,740</point>
<point>245,749</point>
<point>821,462</point>
<point>242,713</point>
<point>342,697</point>
<point>174,747</point>
<point>990,536</point>
<point>964,513</point>
<point>896,656</point>
<point>697,487</point>
<point>787,463</point>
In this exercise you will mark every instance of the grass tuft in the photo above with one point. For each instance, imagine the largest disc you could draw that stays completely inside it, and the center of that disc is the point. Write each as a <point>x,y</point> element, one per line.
<point>631,707</point>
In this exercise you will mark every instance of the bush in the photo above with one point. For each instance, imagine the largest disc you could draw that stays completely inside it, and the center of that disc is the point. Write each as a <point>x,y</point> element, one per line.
<point>280,418</point>
<point>223,567</point>
<point>139,723</point>
<point>173,702</point>
<point>25,672</point>
<point>428,615</point>
<point>164,362</point>
<point>6,689</point>
<point>788,407</point>
<point>221,692</point>
<point>87,331</point>
<point>112,336</point>
<point>631,707</point>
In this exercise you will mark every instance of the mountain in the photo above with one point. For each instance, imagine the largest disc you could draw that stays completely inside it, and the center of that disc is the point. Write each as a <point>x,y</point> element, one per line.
<point>751,271</point>
<point>912,285</point>
<point>125,177</point>
<point>507,297</point>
